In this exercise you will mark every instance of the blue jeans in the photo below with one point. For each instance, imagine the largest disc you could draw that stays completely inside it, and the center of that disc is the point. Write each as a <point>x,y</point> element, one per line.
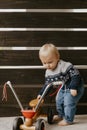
<point>66,104</point>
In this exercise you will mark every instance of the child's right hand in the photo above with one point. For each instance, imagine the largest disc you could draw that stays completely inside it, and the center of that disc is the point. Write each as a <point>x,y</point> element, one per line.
<point>73,92</point>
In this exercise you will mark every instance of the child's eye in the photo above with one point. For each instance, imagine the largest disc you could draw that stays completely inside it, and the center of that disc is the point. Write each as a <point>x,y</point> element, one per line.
<point>44,63</point>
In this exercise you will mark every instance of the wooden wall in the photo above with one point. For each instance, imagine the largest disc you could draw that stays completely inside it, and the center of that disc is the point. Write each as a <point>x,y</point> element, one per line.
<point>29,27</point>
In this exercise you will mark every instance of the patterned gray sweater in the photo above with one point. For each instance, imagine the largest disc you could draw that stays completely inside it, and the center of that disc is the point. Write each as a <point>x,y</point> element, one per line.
<point>65,72</point>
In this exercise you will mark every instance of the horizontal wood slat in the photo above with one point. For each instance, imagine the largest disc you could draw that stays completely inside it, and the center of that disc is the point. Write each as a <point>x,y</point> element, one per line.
<point>39,38</point>
<point>77,57</point>
<point>43,10</point>
<point>43,4</point>
<point>28,76</point>
<point>35,67</point>
<point>43,20</point>
<point>22,76</point>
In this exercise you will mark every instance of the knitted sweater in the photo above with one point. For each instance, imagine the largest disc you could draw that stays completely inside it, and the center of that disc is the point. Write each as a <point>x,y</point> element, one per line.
<point>65,72</point>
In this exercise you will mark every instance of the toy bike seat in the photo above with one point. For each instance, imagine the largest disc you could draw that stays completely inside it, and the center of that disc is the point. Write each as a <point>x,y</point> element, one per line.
<point>34,102</point>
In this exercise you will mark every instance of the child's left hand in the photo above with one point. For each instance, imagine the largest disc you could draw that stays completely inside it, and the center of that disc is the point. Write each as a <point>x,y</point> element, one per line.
<point>73,92</point>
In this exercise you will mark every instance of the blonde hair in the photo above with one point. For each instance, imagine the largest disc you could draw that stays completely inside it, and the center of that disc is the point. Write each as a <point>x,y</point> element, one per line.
<point>49,48</point>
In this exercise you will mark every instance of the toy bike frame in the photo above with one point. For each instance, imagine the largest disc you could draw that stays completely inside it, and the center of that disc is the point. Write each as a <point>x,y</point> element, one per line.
<point>19,123</point>
<point>43,95</point>
<point>46,89</point>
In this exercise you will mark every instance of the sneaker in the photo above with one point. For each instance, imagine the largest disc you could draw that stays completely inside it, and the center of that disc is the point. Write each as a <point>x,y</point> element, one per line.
<point>64,123</point>
<point>56,118</point>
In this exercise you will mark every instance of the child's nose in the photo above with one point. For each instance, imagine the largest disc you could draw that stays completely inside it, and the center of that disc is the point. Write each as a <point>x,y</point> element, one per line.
<point>48,65</point>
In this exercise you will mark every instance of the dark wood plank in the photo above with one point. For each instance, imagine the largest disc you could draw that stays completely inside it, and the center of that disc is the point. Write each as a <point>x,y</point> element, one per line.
<point>84,73</point>
<point>43,4</point>
<point>22,76</point>
<point>43,20</point>
<point>34,76</point>
<point>32,39</point>
<point>25,94</point>
<point>19,58</point>
<point>32,58</point>
<point>75,56</point>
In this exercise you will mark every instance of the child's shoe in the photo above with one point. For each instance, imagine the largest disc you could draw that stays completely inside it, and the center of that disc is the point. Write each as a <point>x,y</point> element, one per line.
<point>64,123</point>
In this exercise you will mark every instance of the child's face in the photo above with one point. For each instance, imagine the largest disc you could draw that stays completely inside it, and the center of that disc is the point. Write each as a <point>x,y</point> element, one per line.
<point>50,61</point>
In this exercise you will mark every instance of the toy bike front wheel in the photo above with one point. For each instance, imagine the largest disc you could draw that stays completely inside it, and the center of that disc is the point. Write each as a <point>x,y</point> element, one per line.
<point>40,124</point>
<point>17,122</point>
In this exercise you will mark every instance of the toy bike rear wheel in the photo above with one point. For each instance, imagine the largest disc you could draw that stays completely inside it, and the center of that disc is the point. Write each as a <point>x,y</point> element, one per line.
<point>17,122</point>
<point>40,124</point>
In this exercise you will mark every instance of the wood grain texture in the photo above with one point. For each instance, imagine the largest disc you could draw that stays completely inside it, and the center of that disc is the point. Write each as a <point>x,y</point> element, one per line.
<point>37,39</point>
<point>43,20</point>
<point>43,4</point>
<point>34,78</point>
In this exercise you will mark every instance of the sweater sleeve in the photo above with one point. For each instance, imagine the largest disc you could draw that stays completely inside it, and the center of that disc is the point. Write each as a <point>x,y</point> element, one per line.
<point>75,78</point>
<point>44,86</point>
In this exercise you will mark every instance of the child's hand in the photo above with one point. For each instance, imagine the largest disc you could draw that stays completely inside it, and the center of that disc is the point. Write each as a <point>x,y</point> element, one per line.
<point>73,92</point>
<point>39,96</point>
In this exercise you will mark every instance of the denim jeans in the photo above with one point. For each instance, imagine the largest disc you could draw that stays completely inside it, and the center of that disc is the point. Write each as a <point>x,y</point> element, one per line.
<point>66,104</point>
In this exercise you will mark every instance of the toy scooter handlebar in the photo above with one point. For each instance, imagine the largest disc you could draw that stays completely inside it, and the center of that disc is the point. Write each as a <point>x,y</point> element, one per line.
<point>57,83</point>
<point>46,89</point>
<point>13,91</point>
